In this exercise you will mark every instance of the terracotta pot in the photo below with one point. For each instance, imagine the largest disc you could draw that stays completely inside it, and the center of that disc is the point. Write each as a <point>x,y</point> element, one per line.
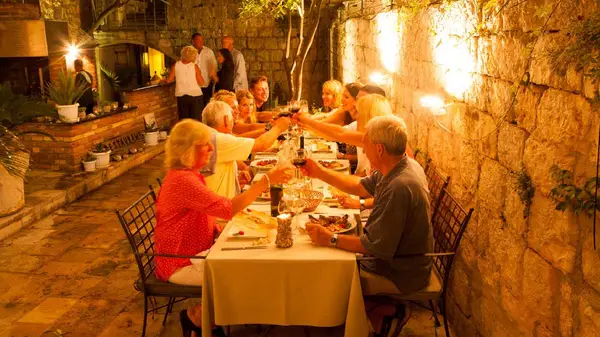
<point>12,190</point>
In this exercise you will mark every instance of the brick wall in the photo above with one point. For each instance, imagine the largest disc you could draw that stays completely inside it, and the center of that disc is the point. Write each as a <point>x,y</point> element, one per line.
<point>56,64</point>
<point>19,11</point>
<point>72,142</point>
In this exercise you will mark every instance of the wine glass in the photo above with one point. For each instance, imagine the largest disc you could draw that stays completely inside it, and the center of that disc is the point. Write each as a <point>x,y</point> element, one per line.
<point>294,207</point>
<point>294,106</point>
<point>303,105</point>
<point>299,160</point>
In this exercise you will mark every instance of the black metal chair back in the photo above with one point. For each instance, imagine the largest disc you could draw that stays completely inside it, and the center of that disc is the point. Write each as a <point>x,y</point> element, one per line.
<point>449,222</point>
<point>436,183</point>
<point>138,222</point>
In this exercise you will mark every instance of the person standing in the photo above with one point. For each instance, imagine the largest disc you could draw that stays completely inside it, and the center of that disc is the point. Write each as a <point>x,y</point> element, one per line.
<point>226,71</point>
<point>240,80</point>
<point>87,99</point>
<point>207,63</point>
<point>188,90</point>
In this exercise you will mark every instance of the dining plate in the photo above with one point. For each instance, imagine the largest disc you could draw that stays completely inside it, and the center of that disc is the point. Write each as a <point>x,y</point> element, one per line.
<point>335,165</point>
<point>264,164</point>
<point>350,222</point>
<point>242,232</point>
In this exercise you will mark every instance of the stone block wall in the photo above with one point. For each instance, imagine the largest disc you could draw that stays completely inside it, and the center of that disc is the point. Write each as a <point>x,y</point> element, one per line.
<point>514,275</point>
<point>19,11</point>
<point>73,141</point>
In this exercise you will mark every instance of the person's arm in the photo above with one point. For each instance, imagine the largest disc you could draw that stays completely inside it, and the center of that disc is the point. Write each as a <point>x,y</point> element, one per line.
<point>252,134</point>
<point>240,128</point>
<point>344,182</point>
<point>199,78</point>
<point>335,117</point>
<point>171,76</point>
<point>267,139</point>
<point>264,116</point>
<point>350,157</point>
<point>275,176</point>
<point>319,235</point>
<point>212,67</point>
<point>351,203</point>
<point>331,131</point>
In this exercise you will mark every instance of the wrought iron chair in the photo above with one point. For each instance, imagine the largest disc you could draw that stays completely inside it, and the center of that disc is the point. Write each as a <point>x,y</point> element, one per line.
<point>436,182</point>
<point>449,222</point>
<point>138,222</point>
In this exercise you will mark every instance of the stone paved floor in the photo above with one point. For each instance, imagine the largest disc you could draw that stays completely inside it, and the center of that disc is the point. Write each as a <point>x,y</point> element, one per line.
<point>72,274</point>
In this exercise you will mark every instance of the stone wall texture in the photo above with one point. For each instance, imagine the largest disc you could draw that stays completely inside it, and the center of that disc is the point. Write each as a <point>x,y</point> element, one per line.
<point>261,40</point>
<point>514,276</point>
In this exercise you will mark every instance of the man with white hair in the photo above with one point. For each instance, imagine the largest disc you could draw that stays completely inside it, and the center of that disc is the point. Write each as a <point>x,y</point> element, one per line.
<point>240,78</point>
<point>221,173</point>
<point>399,224</point>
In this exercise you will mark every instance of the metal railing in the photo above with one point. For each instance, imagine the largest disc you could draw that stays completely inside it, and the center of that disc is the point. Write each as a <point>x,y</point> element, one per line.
<point>150,15</point>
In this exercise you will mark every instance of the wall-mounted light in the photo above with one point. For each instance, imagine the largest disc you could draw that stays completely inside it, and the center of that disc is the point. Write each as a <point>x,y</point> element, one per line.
<point>145,57</point>
<point>379,78</point>
<point>437,106</point>
<point>71,55</point>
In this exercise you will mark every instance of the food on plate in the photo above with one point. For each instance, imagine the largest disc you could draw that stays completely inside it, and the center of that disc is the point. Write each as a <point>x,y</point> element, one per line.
<point>261,242</point>
<point>266,163</point>
<point>331,164</point>
<point>255,220</point>
<point>333,223</point>
<point>322,147</point>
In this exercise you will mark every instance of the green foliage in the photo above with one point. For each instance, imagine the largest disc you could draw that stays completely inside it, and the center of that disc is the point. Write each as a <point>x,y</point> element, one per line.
<point>567,195</point>
<point>151,127</point>
<point>67,91</point>
<point>526,191</point>
<point>100,148</point>
<point>111,77</point>
<point>581,48</point>
<point>89,158</point>
<point>273,8</point>
<point>17,109</point>
<point>10,145</point>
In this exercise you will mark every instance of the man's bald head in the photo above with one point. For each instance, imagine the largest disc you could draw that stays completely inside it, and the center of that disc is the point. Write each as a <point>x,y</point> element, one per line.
<point>227,42</point>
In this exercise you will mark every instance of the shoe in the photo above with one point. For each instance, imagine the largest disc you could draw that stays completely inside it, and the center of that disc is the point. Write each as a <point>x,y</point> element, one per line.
<point>187,326</point>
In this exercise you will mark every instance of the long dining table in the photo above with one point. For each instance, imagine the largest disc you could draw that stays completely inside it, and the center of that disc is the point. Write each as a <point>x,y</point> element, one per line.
<point>304,285</point>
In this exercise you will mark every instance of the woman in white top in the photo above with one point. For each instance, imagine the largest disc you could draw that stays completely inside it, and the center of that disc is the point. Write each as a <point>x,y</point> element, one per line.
<point>188,85</point>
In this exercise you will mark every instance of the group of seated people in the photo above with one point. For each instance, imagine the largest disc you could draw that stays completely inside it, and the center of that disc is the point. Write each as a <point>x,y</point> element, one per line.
<point>205,169</point>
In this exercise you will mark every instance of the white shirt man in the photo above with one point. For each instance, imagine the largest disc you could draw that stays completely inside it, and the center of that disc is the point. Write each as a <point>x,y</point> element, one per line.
<point>207,62</point>
<point>222,177</point>
<point>240,79</point>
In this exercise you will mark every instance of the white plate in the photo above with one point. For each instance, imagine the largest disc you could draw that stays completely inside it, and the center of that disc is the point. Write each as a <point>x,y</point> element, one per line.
<point>248,233</point>
<point>262,168</point>
<point>345,164</point>
<point>351,221</point>
<point>314,149</point>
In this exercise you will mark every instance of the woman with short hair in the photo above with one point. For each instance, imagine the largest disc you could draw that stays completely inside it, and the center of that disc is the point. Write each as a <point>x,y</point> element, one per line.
<point>186,210</point>
<point>188,84</point>
<point>332,95</point>
<point>346,113</point>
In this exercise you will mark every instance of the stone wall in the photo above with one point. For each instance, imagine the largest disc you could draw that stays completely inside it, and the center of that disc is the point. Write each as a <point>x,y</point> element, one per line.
<point>261,40</point>
<point>19,11</point>
<point>73,141</point>
<point>514,275</point>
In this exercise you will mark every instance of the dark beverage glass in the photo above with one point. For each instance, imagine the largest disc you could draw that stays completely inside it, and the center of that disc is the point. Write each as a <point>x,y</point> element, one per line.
<point>276,195</point>
<point>298,162</point>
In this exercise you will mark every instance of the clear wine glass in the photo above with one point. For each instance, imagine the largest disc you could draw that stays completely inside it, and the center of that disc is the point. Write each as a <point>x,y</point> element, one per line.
<point>303,105</point>
<point>299,160</point>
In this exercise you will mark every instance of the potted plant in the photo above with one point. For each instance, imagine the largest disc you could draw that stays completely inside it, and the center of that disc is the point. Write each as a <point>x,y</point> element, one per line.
<point>89,163</point>
<point>65,94</point>
<point>102,154</point>
<point>14,157</point>
<point>151,134</point>
<point>162,135</point>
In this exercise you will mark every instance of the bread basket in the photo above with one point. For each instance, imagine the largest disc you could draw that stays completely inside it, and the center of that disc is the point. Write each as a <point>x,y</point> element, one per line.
<point>312,198</point>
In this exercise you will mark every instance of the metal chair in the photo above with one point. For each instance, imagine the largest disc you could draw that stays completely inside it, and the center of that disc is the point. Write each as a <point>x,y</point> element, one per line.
<point>449,222</point>
<point>436,182</point>
<point>138,222</point>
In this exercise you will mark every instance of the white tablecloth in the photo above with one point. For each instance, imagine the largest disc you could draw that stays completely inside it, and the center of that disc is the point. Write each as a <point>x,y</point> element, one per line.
<point>301,285</point>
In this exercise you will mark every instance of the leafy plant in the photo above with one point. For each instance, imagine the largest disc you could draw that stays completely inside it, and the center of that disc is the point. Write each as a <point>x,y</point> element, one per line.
<point>526,191</point>
<point>110,76</point>
<point>66,91</point>
<point>567,195</point>
<point>100,148</point>
<point>151,127</point>
<point>88,158</point>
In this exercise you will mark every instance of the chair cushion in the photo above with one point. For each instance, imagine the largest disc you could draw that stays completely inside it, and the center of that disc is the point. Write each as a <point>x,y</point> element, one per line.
<point>156,287</point>
<point>431,292</point>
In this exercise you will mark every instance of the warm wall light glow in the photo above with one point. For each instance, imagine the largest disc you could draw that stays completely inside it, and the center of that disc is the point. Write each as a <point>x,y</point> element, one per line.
<point>435,103</point>
<point>379,78</point>
<point>349,55</point>
<point>145,59</point>
<point>388,40</point>
<point>452,53</point>
<point>71,56</point>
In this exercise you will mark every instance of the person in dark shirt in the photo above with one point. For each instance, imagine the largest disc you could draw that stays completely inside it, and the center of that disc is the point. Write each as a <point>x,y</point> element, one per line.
<point>226,72</point>
<point>87,99</point>
<point>259,88</point>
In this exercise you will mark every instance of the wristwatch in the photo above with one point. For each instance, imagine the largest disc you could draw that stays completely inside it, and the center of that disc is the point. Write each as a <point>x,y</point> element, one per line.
<point>334,240</point>
<point>362,204</point>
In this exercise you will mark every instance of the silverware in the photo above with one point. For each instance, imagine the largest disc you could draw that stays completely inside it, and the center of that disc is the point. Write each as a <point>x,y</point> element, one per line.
<point>244,248</point>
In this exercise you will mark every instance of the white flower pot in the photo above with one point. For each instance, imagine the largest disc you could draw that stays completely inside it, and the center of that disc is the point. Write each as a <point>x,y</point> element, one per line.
<point>151,138</point>
<point>162,135</point>
<point>102,159</point>
<point>68,113</point>
<point>12,190</point>
<point>89,166</point>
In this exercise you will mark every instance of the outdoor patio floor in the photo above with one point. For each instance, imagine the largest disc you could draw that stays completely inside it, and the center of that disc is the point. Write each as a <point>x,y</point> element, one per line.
<point>73,271</point>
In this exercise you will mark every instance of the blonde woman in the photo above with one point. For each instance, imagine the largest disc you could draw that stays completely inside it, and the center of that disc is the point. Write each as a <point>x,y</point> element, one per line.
<point>332,95</point>
<point>246,107</point>
<point>346,112</point>
<point>186,210</point>
<point>188,86</point>
<point>241,129</point>
<point>368,106</point>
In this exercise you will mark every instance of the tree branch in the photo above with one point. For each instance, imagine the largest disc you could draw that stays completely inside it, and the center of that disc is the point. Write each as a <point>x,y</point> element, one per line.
<point>116,5</point>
